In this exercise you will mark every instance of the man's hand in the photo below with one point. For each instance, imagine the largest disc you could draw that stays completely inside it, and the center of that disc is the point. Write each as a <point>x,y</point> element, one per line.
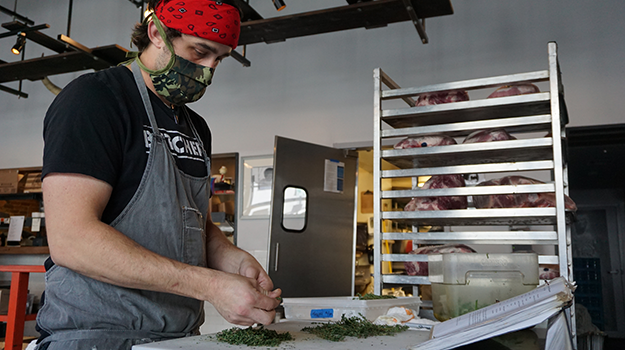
<point>252,269</point>
<point>243,292</point>
<point>241,300</point>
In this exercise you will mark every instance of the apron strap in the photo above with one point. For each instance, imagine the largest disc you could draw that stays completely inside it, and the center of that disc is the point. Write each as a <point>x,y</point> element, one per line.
<point>145,97</point>
<point>207,159</point>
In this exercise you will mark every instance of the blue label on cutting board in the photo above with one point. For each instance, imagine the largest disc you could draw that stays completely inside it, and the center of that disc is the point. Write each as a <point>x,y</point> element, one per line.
<point>322,313</point>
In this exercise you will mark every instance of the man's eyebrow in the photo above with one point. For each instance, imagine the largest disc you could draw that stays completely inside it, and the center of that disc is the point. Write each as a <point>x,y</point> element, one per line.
<point>211,49</point>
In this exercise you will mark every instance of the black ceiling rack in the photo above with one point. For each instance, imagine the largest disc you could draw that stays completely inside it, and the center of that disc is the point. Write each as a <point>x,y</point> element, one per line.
<point>71,56</point>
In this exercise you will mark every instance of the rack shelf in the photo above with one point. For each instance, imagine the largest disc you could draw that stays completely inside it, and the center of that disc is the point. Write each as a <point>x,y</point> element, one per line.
<point>537,121</point>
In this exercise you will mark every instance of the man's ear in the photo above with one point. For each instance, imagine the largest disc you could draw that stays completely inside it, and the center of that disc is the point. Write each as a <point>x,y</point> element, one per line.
<point>155,36</point>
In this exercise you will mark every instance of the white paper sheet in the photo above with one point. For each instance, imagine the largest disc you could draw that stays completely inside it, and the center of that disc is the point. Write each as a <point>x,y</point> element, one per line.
<point>15,229</point>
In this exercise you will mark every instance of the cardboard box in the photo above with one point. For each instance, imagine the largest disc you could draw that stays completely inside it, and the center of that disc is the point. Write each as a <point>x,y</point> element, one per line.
<point>229,207</point>
<point>9,180</point>
<point>33,183</point>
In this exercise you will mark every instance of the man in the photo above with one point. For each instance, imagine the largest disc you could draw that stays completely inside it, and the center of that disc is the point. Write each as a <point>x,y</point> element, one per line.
<point>133,250</point>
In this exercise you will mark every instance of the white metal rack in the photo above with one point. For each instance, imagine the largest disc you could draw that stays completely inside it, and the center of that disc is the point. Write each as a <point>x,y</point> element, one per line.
<point>523,114</point>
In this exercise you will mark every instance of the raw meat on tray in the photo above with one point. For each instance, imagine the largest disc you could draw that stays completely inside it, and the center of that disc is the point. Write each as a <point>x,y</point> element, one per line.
<point>420,268</point>
<point>425,141</point>
<point>513,90</point>
<point>488,136</point>
<point>440,97</point>
<point>442,202</point>
<point>522,200</point>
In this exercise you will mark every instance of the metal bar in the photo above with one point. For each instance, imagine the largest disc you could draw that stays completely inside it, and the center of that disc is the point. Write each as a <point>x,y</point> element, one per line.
<point>415,20</point>
<point>241,59</point>
<point>249,14</point>
<point>16,15</point>
<point>470,214</point>
<point>456,106</point>
<point>450,128</point>
<point>470,147</point>
<point>477,237</point>
<point>393,85</point>
<point>548,259</point>
<point>403,279</point>
<point>557,133</point>
<point>73,43</point>
<point>18,93</point>
<point>38,68</point>
<point>554,86</point>
<point>470,191</point>
<point>378,75</point>
<point>471,84</point>
<point>405,257</point>
<point>69,17</point>
<point>275,267</point>
<point>24,30</point>
<point>38,37</point>
<point>470,169</point>
<point>367,14</point>
<point>542,259</point>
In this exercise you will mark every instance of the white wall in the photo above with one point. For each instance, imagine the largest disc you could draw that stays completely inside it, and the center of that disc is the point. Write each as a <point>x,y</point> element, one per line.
<point>319,88</point>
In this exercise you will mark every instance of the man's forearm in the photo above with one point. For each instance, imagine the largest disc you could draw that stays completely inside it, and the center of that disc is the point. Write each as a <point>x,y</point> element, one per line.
<point>80,241</point>
<point>221,254</point>
<point>99,251</point>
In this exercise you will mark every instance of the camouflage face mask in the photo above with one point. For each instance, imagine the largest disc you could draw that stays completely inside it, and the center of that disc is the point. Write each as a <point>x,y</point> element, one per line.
<point>180,81</point>
<point>184,82</point>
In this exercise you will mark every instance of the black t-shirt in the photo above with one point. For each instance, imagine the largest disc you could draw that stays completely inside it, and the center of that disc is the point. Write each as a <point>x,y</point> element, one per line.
<point>98,126</point>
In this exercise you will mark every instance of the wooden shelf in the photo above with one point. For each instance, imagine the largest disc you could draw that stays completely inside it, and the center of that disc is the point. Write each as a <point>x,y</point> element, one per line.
<point>20,196</point>
<point>24,250</point>
<point>230,192</point>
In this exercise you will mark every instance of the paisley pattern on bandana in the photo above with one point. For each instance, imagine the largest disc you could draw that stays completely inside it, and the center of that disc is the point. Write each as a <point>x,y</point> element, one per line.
<point>212,20</point>
<point>186,82</point>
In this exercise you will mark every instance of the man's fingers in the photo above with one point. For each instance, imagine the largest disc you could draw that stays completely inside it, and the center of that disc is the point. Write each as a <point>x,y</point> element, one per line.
<point>263,316</point>
<point>275,293</point>
<point>267,303</point>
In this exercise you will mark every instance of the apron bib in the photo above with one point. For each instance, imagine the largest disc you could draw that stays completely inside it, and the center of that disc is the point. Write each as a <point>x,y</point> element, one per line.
<point>166,216</point>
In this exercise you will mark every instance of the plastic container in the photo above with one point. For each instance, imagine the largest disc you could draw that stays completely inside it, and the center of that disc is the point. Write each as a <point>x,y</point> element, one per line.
<point>332,308</point>
<point>465,282</point>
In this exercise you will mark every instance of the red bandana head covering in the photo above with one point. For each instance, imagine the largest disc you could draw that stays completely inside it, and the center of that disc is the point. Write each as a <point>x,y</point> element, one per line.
<point>212,20</point>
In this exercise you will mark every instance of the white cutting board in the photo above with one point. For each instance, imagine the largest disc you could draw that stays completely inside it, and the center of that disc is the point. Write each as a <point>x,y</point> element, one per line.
<point>302,341</point>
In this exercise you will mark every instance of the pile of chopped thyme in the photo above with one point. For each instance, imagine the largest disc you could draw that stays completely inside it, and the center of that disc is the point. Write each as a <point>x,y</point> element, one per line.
<point>358,327</point>
<point>371,296</point>
<point>253,336</point>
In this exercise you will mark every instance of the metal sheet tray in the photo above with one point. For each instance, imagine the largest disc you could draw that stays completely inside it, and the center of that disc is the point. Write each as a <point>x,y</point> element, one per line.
<point>474,217</point>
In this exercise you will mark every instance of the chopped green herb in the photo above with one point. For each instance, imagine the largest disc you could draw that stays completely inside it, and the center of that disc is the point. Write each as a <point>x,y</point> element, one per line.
<point>358,327</point>
<point>371,296</point>
<point>253,336</point>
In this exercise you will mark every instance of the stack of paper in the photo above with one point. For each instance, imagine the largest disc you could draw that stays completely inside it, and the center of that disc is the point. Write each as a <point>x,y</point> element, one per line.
<point>520,312</point>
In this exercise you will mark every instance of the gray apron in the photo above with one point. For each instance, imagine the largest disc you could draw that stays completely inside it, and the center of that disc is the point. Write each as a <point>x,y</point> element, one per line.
<point>166,216</point>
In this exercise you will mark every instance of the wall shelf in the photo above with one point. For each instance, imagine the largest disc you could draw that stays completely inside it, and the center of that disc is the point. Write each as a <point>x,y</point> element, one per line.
<point>16,250</point>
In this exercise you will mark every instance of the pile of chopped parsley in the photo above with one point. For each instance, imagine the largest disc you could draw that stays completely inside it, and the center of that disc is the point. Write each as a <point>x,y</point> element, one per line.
<point>253,336</point>
<point>358,327</point>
